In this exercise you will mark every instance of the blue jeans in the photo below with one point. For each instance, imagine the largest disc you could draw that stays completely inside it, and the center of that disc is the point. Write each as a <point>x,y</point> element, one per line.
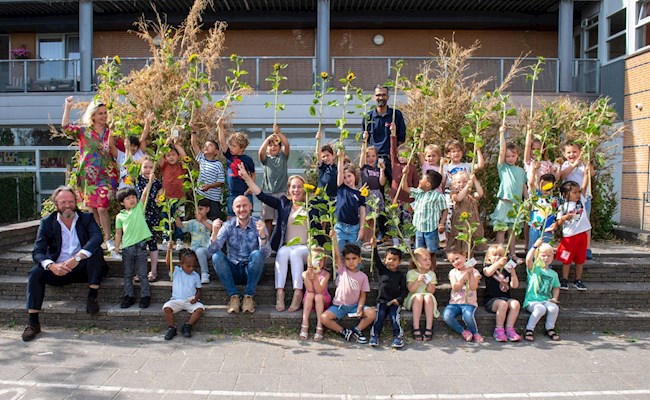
<point>452,311</point>
<point>134,259</point>
<point>534,234</point>
<point>383,311</point>
<point>346,233</point>
<point>428,240</point>
<point>245,273</point>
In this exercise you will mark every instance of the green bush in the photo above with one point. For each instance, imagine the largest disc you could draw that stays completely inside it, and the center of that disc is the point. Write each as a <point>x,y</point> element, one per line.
<point>17,197</point>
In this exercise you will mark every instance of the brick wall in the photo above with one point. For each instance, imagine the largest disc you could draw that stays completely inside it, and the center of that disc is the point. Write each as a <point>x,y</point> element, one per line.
<point>636,141</point>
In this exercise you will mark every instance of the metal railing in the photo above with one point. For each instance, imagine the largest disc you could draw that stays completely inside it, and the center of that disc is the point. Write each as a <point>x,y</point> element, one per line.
<point>61,75</point>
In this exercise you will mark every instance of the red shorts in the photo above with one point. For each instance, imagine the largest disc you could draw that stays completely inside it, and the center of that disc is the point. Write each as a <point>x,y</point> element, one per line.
<point>572,249</point>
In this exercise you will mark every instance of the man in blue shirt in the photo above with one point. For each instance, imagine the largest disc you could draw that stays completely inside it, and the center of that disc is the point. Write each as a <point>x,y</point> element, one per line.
<point>248,245</point>
<point>378,127</point>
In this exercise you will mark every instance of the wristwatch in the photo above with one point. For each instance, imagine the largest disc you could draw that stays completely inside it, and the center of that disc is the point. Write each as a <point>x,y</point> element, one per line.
<point>77,258</point>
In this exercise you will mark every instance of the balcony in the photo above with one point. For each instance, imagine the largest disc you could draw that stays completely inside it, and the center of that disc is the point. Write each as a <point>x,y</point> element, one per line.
<point>61,75</point>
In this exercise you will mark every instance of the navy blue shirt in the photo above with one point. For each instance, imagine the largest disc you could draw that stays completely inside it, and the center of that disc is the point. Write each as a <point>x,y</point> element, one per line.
<point>348,201</point>
<point>236,185</point>
<point>379,129</point>
<point>327,175</point>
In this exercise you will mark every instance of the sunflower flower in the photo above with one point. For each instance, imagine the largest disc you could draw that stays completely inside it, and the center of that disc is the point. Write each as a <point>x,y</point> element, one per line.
<point>309,187</point>
<point>393,206</point>
<point>233,57</point>
<point>324,75</point>
<point>117,60</point>
<point>547,187</point>
<point>193,57</point>
<point>464,216</point>
<point>276,67</point>
<point>187,159</point>
<point>350,77</point>
<point>365,192</point>
<point>161,198</point>
<point>317,192</point>
<point>128,181</point>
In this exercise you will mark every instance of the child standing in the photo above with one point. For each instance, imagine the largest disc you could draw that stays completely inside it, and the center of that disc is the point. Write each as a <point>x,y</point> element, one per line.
<point>573,169</point>
<point>455,152</point>
<point>316,296</point>
<point>350,297</point>
<point>421,281</point>
<point>532,151</point>
<point>431,160</point>
<point>464,199</point>
<point>429,212</point>
<point>211,175</point>
<point>542,217</point>
<point>200,229</point>
<point>274,154</point>
<point>542,290</point>
<point>390,296</point>
<point>373,176</point>
<point>132,233</point>
<point>172,172</point>
<point>186,295</point>
<point>152,212</point>
<point>574,220</point>
<point>350,205</point>
<point>398,167</point>
<point>499,279</point>
<point>137,148</point>
<point>464,281</point>
<point>327,169</point>
<point>236,146</point>
<point>513,183</point>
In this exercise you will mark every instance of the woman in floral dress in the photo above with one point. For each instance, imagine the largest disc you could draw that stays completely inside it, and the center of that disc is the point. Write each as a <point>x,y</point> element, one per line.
<point>98,175</point>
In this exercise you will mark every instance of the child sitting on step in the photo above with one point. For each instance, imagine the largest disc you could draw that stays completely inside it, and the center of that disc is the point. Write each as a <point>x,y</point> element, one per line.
<point>186,295</point>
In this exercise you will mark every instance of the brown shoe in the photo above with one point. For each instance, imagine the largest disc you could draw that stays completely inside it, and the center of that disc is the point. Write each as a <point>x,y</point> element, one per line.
<point>233,305</point>
<point>249,305</point>
<point>31,331</point>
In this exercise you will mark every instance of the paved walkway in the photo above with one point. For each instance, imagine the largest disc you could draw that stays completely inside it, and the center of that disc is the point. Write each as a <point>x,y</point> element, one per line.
<point>72,364</point>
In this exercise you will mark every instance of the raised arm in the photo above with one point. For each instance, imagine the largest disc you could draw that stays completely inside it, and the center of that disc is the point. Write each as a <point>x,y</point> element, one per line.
<point>364,149</point>
<point>319,137</point>
<point>405,186</point>
<point>147,189</point>
<point>530,257</point>
<point>340,163</point>
<point>177,145</point>
<point>286,147</point>
<point>585,178</point>
<point>480,161</point>
<point>527,150</point>
<point>477,186</point>
<point>261,153</point>
<point>223,143</point>
<point>67,107</point>
<point>252,186</point>
<point>194,141</point>
<point>148,119</point>
<point>502,144</point>
<point>492,269</point>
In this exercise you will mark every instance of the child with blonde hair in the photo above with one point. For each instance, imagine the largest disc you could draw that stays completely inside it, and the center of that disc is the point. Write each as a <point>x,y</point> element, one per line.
<point>421,282</point>
<point>500,277</point>
<point>464,281</point>
<point>512,186</point>
<point>542,290</point>
<point>274,156</point>
<point>465,193</point>
<point>431,160</point>
<point>235,147</point>
<point>316,296</point>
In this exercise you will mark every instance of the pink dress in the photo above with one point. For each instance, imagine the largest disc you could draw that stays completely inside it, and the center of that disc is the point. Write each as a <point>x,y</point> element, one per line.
<point>98,175</point>
<point>327,297</point>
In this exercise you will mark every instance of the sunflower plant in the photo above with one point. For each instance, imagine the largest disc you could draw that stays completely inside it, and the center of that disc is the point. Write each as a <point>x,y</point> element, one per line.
<point>395,84</point>
<point>466,231</point>
<point>167,224</point>
<point>235,89</point>
<point>276,79</point>
<point>348,89</point>
<point>190,182</point>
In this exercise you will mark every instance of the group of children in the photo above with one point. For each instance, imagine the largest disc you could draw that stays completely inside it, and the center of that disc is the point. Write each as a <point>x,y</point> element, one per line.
<point>436,198</point>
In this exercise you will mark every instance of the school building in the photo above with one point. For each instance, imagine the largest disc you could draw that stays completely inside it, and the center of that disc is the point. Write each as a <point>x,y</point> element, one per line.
<point>50,50</point>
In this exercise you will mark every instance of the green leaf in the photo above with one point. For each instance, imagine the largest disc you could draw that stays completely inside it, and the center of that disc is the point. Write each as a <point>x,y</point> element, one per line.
<point>312,111</point>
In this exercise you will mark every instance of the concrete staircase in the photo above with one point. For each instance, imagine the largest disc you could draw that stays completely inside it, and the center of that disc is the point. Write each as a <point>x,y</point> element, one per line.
<point>618,280</point>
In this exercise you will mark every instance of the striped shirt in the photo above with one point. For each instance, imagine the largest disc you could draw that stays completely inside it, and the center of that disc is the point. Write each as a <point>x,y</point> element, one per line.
<point>210,171</point>
<point>427,209</point>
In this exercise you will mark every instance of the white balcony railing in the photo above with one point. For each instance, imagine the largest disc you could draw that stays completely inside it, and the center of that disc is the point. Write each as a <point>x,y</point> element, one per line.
<point>61,75</point>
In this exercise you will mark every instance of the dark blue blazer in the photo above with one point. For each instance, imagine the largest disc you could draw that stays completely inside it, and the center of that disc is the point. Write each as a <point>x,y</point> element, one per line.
<point>48,240</point>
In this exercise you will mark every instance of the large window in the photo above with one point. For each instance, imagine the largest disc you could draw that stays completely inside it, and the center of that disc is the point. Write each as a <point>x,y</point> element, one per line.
<point>642,24</point>
<point>616,39</point>
<point>53,48</point>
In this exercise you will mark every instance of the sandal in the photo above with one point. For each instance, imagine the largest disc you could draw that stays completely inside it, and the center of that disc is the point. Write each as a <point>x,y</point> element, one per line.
<point>136,279</point>
<point>304,332</point>
<point>296,301</point>
<point>417,334</point>
<point>318,336</point>
<point>428,335</point>
<point>152,277</point>
<point>552,334</point>
<point>279,300</point>
<point>529,335</point>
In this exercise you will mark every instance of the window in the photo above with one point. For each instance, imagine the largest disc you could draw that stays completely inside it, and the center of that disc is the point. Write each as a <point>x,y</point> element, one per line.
<point>53,48</point>
<point>616,40</point>
<point>590,38</point>
<point>642,24</point>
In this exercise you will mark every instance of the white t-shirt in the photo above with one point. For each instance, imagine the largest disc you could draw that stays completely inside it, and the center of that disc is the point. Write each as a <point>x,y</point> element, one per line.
<point>577,175</point>
<point>121,160</point>
<point>579,223</point>
<point>451,169</point>
<point>184,285</point>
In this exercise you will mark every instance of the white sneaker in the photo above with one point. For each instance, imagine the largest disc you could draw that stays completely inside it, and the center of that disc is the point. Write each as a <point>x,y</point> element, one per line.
<point>110,245</point>
<point>205,278</point>
<point>116,255</point>
<point>164,243</point>
<point>179,245</point>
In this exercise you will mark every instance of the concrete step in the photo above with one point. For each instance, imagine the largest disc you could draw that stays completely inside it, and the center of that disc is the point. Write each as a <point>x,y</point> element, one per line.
<point>72,314</point>
<point>14,235</point>
<point>599,295</point>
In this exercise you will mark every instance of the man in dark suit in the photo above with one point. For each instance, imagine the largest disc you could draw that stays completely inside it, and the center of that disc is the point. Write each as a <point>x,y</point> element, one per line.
<point>67,250</point>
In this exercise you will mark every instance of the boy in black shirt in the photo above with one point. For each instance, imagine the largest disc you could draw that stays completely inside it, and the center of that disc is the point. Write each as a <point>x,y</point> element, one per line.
<point>390,296</point>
